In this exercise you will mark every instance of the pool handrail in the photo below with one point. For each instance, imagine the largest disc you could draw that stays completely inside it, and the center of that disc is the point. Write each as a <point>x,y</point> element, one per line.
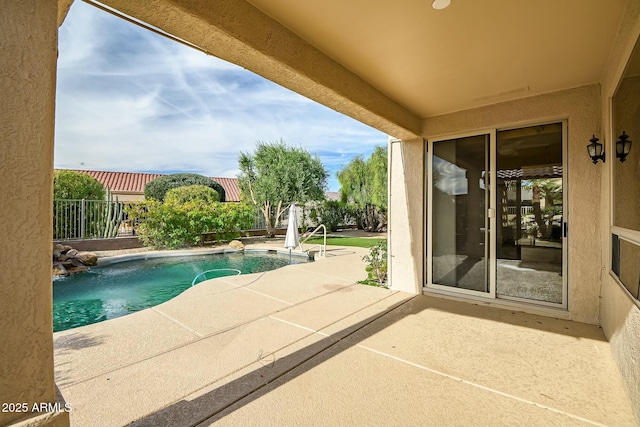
<point>323,247</point>
<point>193,282</point>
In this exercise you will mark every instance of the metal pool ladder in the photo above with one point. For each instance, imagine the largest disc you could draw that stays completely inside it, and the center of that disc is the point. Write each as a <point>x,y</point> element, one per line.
<point>323,247</point>
<point>204,273</point>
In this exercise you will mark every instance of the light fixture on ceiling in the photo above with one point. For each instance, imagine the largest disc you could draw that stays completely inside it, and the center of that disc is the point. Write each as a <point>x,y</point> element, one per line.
<point>623,146</point>
<point>595,150</point>
<point>440,4</point>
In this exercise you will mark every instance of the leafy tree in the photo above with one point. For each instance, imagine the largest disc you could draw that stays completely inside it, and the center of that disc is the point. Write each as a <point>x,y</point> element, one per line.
<point>193,193</point>
<point>157,189</point>
<point>276,175</point>
<point>73,185</point>
<point>364,183</point>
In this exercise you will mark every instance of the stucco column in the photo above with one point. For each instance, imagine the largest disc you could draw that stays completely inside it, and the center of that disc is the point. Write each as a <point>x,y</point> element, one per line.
<point>28,46</point>
<point>406,219</point>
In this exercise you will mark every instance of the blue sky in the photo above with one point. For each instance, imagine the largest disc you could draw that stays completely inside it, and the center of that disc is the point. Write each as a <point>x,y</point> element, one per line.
<point>131,100</point>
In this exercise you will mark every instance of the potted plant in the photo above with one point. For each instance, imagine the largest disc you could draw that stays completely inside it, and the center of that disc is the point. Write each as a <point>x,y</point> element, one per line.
<point>532,230</point>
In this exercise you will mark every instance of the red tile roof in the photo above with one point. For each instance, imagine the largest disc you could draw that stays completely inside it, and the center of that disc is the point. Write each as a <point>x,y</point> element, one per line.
<point>231,189</point>
<point>134,182</point>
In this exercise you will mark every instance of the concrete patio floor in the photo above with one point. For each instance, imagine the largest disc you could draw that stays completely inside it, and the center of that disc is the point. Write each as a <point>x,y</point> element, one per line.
<point>306,345</point>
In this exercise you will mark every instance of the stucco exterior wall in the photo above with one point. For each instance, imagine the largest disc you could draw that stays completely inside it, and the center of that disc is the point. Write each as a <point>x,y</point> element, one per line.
<point>405,219</point>
<point>28,50</point>
<point>128,197</point>
<point>619,314</point>
<point>581,107</point>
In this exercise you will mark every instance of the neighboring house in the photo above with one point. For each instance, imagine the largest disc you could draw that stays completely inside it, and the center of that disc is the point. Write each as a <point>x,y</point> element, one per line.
<point>129,186</point>
<point>467,94</point>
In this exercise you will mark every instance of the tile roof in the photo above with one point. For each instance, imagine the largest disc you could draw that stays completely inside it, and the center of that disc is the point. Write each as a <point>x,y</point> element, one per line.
<point>231,188</point>
<point>134,182</point>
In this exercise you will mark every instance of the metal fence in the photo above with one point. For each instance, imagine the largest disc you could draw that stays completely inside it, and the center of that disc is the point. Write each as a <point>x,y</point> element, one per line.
<point>89,219</point>
<point>95,219</point>
<point>259,222</point>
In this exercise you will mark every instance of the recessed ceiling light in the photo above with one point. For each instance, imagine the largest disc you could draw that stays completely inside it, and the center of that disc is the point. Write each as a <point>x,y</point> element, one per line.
<point>440,4</point>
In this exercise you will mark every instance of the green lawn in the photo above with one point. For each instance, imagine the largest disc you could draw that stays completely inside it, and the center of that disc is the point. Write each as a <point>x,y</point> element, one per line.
<point>344,241</point>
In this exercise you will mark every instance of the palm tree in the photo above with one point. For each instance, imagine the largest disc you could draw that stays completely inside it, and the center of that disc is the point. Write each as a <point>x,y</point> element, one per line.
<point>551,190</point>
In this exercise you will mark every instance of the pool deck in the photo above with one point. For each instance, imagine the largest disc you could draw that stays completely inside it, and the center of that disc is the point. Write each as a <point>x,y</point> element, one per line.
<point>307,345</point>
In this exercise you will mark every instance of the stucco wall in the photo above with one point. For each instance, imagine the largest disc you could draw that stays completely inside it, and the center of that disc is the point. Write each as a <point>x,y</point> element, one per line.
<point>128,197</point>
<point>581,107</point>
<point>405,220</point>
<point>620,315</point>
<point>28,48</point>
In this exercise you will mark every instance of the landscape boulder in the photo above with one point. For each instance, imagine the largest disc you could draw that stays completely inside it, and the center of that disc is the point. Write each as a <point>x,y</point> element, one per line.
<point>236,245</point>
<point>68,261</point>
<point>71,253</point>
<point>59,270</point>
<point>87,258</point>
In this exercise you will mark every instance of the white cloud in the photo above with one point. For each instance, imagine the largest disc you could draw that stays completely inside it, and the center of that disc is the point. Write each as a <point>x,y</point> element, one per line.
<point>131,100</point>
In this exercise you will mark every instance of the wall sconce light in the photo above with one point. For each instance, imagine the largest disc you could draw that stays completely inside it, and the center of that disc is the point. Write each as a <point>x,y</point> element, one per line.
<point>596,150</point>
<point>623,146</point>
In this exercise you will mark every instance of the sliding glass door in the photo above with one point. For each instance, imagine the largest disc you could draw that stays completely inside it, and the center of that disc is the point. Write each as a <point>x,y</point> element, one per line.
<point>459,196</point>
<point>496,223</point>
<point>529,247</point>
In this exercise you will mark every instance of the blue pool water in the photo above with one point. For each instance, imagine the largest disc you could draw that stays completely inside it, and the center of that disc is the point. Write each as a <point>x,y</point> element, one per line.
<point>126,287</point>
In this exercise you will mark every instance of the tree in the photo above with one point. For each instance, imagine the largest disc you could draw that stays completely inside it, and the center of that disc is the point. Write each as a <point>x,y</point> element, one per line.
<point>192,193</point>
<point>364,183</point>
<point>73,185</point>
<point>276,175</point>
<point>551,190</point>
<point>157,189</point>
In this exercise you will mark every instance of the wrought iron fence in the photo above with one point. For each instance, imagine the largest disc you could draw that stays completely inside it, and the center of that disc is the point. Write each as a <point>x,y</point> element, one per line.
<point>259,222</point>
<point>89,219</point>
<point>95,219</point>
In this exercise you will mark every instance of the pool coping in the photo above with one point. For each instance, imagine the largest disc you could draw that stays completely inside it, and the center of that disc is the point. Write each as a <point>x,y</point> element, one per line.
<point>102,262</point>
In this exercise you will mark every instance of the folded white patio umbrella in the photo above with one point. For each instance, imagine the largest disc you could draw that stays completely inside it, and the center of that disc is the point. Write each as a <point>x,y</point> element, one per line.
<point>292,239</point>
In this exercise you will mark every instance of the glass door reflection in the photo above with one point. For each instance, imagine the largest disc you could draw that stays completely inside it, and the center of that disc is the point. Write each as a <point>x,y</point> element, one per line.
<point>530,214</point>
<point>460,197</point>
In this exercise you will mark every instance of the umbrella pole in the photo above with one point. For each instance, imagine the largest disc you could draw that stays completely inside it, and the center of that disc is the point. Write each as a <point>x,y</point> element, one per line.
<point>289,255</point>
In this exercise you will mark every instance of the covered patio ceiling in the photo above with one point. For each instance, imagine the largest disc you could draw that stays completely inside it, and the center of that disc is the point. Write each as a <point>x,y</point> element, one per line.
<point>471,54</point>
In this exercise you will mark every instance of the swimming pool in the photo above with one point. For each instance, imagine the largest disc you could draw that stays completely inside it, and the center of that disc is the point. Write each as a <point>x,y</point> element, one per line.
<point>122,288</point>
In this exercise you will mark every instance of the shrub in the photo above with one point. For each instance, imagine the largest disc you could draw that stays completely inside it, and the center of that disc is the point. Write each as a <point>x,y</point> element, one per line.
<point>333,214</point>
<point>174,225</point>
<point>377,268</point>
<point>193,193</point>
<point>157,189</point>
<point>76,185</point>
